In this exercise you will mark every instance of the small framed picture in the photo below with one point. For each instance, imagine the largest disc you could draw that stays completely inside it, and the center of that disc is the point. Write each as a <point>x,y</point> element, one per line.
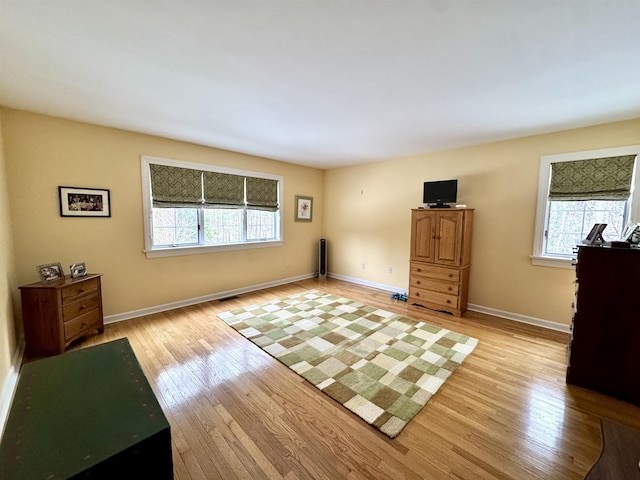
<point>84,202</point>
<point>304,208</point>
<point>50,272</point>
<point>78,270</point>
<point>632,233</point>
<point>595,235</point>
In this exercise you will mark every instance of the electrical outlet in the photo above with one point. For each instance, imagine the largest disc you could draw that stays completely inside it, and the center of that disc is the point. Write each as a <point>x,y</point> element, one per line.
<point>390,269</point>
<point>364,265</point>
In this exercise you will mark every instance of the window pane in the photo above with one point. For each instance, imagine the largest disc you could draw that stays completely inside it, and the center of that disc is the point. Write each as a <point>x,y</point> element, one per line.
<point>570,222</point>
<point>175,226</point>
<point>163,217</point>
<point>222,225</point>
<point>261,225</point>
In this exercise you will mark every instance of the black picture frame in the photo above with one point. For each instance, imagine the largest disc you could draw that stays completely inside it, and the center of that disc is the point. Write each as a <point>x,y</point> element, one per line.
<point>84,202</point>
<point>595,234</point>
<point>632,234</point>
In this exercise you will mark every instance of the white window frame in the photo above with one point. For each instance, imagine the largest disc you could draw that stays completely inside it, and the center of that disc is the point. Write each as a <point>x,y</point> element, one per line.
<point>542,210</point>
<point>170,251</point>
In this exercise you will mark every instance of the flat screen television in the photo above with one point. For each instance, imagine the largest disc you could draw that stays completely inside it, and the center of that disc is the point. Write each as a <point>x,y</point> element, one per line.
<point>440,194</point>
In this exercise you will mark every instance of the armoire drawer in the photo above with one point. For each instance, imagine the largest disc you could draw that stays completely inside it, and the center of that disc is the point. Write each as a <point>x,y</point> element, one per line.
<point>443,299</point>
<point>438,273</point>
<point>435,285</point>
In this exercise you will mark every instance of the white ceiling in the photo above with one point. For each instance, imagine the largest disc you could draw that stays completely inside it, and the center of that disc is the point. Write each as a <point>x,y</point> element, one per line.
<point>324,83</point>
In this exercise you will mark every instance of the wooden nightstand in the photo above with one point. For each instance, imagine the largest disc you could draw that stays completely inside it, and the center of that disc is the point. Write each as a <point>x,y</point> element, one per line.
<point>56,313</point>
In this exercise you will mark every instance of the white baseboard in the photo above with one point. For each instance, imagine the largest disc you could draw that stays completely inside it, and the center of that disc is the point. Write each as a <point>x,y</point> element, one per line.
<point>10,385</point>
<point>516,317</point>
<point>119,317</point>
<point>366,283</point>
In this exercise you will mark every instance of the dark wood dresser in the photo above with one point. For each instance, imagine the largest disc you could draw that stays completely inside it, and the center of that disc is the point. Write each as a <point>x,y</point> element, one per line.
<point>56,313</point>
<point>604,350</point>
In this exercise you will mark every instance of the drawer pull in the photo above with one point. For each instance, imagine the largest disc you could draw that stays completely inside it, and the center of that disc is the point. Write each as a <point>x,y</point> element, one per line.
<point>450,275</point>
<point>450,288</point>
<point>448,301</point>
<point>82,307</point>
<point>81,290</point>
<point>418,282</point>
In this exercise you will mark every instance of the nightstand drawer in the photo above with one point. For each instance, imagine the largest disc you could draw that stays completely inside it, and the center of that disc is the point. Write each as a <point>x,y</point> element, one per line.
<point>80,324</point>
<point>73,292</point>
<point>80,307</point>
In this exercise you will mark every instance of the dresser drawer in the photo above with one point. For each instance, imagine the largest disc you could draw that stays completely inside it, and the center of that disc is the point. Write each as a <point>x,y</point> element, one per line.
<point>78,325</point>
<point>417,294</point>
<point>425,283</point>
<point>73,292</point>
<point>438,273</point>
<point>80,307</point>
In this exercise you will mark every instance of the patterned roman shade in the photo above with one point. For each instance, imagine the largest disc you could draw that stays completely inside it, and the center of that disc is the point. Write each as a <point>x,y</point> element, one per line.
<point>593,179</point>
<point>223,189</point>
<point>175,187</point>
<point>262,194</point>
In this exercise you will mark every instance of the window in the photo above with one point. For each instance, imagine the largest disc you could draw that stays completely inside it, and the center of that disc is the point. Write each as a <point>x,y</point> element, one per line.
<point>194,208</point>
<point>577,190</point>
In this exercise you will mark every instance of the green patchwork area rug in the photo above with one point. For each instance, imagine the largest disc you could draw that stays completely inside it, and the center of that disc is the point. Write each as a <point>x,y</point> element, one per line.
<point>382,366</point>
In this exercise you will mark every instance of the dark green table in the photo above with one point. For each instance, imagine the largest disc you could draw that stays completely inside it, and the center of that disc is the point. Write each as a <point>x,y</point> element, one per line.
<point>87,413</point>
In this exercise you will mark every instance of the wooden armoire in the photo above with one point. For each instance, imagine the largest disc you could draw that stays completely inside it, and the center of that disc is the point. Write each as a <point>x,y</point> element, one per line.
<point>440,258</point>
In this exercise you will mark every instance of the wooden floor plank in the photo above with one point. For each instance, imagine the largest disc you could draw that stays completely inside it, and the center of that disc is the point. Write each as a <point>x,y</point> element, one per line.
<point>235,412</point>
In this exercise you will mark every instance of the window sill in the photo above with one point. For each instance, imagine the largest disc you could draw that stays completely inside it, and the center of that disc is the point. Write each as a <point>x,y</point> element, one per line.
<point>200,249</point>
<point>556,262</point>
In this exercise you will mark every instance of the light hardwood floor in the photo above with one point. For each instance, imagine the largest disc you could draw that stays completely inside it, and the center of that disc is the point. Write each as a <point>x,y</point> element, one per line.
<point>235,412</point>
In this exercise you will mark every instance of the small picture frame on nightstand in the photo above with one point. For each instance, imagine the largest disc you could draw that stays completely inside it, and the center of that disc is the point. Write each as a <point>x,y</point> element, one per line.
<point>50,272</point>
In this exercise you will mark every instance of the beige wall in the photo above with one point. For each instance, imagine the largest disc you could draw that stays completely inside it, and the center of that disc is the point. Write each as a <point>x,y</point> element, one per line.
<point>42,153</point>
<point>363,211</point>
<point>10,330</point>
<point>368,217</point>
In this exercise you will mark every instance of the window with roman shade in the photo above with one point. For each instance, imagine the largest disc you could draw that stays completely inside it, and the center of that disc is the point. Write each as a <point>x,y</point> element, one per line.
<point>579,189</point>
<point>592,179</point>
<point>192,206</point>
